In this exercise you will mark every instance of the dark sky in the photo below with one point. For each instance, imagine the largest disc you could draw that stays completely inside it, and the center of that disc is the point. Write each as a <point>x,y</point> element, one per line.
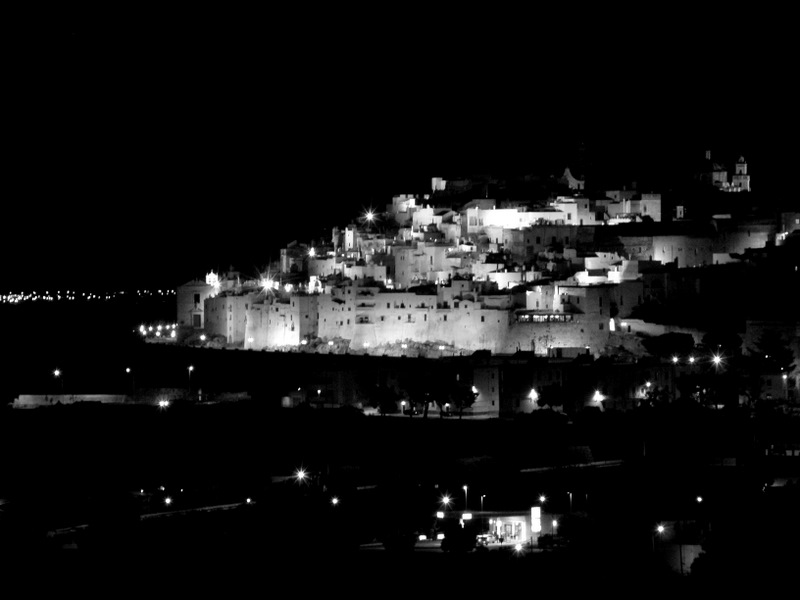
<point>142,149</point>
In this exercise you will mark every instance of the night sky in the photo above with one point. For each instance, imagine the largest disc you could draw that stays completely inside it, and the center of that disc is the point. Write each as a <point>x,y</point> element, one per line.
<point>142,150</point>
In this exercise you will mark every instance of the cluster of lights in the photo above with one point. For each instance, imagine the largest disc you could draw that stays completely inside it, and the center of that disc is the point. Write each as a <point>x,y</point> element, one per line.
<point>160,330</point>
<point>48,296</point>
<point>716,359</point>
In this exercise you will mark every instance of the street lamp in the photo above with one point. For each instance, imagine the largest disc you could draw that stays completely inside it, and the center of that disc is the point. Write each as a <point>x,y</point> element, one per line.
<point>542,498</point>
<point>57,375</point>
<point>465,497</point>
<point>658,531</point>
<point>334,500</point>
<point>482,497</point>
<point>190,369</point>
<point>446,501</point>
<point>555,527</point>
<point>133,381</point>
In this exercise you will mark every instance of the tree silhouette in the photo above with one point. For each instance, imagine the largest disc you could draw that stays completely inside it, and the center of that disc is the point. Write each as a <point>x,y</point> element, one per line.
<point>462,396</point>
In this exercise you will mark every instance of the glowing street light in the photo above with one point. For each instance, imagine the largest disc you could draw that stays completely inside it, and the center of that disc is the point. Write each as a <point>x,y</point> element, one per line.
<point>534,395</point>
<point>674,360</point>
<point>482,497</point>
<point>699,499</point>
<point>658,531</point>
<point>691,359</point>
<point>555,526</point>
<point>647,384</point>
<point>300,475</point>
<point>133,380</point>
<point>716,360</point>
<point>167,500</point>
<point>57,375</point>
<point>446,501</point>
<point>598,397</point>
<point>334,500</point>
<point>190,368</point>
<point>542,498</point>
<point>465,496</point>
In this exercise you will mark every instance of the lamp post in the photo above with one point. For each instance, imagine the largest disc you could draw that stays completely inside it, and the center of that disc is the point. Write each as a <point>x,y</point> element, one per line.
<point>133,380</point>
<point>190,369</point>
<point>466,504</point>
<point>658,531</point>
<point>57,374</point>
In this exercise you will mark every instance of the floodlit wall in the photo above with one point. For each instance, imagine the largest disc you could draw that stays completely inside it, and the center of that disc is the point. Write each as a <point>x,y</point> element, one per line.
<point>226,316</point>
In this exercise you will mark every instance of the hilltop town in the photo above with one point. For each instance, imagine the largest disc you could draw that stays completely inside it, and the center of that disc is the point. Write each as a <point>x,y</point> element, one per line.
<point>555,270</point>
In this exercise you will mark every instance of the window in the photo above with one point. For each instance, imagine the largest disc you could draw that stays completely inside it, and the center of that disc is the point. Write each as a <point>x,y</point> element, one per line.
<point>387,305</point>
<point>197,298</point>
<point>601,301</point>
<point>601,327</point>
<point>445,317</point>
<point>538,239</point>
<point>483,319</point>
<point>424,317</point>
<point>569,216</point>
<point>348,322</point>
<point>566,240</point>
